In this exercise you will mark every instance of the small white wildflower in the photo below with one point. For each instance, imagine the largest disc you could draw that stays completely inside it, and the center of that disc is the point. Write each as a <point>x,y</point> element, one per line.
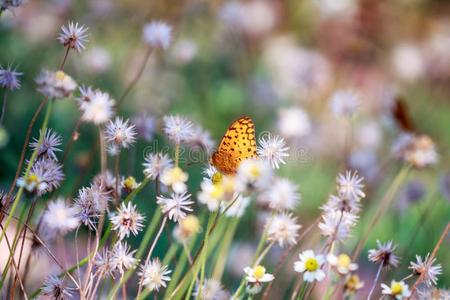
<point>49,144</point>
<point>283,229</point>
<point>176,206</point>
<point>122,258</point>
<point>90,204</point>
<point>310,264</point>
<point>336,203</point>
<point>337,224</point>
<point>96,106</point>
<point>257,275</point>
<point>384,254</point>
<point>398,290</point>
<point>154,275</point>
<point>187,227</point>
<point>273,149</point>
<point>45,176</point>
<point>211,194</point>
<point>254,174</point>
<point>9,78</point>
<point>176,179</point>
<point>59,217</point>
<point>344,103</point>
<point>127,220</point>
<point>157,34</point>
<point>155,164</point>
<point>120,133</point>
<point>178,129</point>
<point>54,287</point>
<point>281,194</point>
<point>211,290</point>
<point>426,268</point>
<point>342,263</point>
<point>350,185</point>
<point>56,85</point>
<point>73,36</point>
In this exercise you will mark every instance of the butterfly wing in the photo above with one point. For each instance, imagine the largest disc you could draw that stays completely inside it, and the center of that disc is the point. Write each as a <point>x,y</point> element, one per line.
<point>238,144</point>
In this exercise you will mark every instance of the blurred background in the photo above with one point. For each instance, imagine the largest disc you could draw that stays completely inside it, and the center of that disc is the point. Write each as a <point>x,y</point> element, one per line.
<point>276,61</point>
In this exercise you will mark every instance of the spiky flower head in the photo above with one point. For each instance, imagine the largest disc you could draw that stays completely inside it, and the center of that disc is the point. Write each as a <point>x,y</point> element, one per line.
<point>154,275</point>
<point>122,258</point>
<point>55,288</point>
<point>175,206</point>
<point>127,220</point>
<point>157,34</point>
<point>49,144</point>
<point>55,84</point>
<point>427,269</point>
<point>60,217</point>
<point>120,133</point>
<point>73,36</point>
<point>9,78</point>
<point>283,229</point>
<point>44,177</point>
<point>384,254</point>
<point>155,164</point>
<point>96,106</point>
<point>273,149</point>
<point>178,129</point>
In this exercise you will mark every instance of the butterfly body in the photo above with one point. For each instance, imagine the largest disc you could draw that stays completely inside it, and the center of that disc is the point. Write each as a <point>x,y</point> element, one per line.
<point>238,144</point>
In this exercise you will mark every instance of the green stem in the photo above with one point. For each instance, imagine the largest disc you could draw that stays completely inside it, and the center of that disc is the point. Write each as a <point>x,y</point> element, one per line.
<point>212,217</point>
<point>224,249</point>
<point>302,293</point>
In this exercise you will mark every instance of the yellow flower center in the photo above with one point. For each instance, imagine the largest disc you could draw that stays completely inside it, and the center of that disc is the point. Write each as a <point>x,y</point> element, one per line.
<point>311,264</point>
<point>255,171</point>
<point>130,183</point>
<point>60,75</point>
<point>217,191</point>
<point>344,260</point>
<point>217,178</point>
<point>32,178</point>
<point>396,288</point>
<point>259,272</point>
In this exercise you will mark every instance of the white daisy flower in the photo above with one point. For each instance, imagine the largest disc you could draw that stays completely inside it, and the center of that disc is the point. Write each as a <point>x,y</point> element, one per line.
<point>310,264</point>
<point>398,290</point>
<point>273,149</point>
<point>254,174</point>
<point>281,194</point>
<point>211,194</point>
<point>157,34</point>
<point>73,36</point>
<point>283,229</point>
<point>127,220</point>
<point>342,263</point>
<point>257,275</point>
<point>154,275</point>
<point>60,217</point>
<point>176,179</point>
<point>176,206</point>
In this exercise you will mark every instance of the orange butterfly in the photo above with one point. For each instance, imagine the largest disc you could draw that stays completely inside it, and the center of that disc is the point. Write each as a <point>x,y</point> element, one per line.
<point>238,144</point>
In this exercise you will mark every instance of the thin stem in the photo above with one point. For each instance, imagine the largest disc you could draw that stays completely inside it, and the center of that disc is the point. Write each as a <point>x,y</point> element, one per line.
<point>136,78</point>
<point>19,166</point>
<point>298,285</point>
<point>386,201</point>
<point>103,157</point>
<point>66,54</point>
<point>375,281</point>
<point>5,99</point>
<point>152,247</point>
<point>116,171</point>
